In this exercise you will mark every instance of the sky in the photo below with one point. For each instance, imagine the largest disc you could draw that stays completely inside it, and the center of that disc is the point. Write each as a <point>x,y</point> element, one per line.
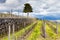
<point>40,7</point>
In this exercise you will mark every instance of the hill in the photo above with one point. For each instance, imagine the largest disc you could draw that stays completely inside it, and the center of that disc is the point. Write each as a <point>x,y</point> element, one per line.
<point>7,15</point>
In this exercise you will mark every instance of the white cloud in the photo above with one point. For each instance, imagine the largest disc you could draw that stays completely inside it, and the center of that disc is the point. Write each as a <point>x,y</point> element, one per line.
<point>2,7</point>
<point>43,7</point>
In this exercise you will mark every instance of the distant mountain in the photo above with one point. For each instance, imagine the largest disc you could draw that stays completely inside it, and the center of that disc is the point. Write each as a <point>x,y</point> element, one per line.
<point>47,17</point>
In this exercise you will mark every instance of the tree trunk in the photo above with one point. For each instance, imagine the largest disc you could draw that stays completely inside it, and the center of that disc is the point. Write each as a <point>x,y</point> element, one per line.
<point>27,15</point>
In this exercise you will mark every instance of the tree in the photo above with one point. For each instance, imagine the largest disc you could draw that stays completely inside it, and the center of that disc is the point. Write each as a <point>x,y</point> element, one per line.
<point>27,9</point>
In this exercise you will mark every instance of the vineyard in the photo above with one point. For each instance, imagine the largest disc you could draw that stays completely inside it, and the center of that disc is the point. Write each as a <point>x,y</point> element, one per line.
<point>34,31</point>
<point>29,19</point>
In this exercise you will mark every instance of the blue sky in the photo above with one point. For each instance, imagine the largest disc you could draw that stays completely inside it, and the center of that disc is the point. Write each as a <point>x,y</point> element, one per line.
<point>40,7</point>
<point>2,1</point>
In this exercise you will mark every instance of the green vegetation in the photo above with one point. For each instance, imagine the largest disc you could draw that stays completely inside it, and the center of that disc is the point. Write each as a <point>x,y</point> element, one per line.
<point>36,31</point>
<point>19,33</point>
<point>50,32</point>
<point>27,9</point>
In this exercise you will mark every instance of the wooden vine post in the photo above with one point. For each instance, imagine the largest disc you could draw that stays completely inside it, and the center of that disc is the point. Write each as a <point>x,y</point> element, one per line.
<point>44,28</point>
<point>13,31</point>
<point>9,28</point>
<point>56,27</point>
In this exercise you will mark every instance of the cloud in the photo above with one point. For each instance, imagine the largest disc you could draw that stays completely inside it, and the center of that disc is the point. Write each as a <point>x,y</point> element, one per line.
<point>10,4</point>
<point>41,7</point>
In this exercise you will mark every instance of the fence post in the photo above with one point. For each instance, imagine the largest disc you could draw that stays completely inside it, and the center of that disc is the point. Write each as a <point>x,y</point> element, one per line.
<point>44,30</point>
<point>9,32</point>
<point>13,31</point>
<point>56,28</point>
<point>24,24</point>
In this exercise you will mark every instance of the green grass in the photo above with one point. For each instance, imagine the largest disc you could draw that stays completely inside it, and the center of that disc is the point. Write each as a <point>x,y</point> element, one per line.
<point>50,32</point>
<point>36,32</point>
<point>19,33</point>
<point>55,27</point>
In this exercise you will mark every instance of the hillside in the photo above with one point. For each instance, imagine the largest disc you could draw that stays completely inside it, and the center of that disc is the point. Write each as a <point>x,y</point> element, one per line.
<point>7,15</point>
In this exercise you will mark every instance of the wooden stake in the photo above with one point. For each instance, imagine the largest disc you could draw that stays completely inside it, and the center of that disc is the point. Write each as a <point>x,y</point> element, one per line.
<point>56,28</point>
<point>13,31</point>
<point>9,32</point>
